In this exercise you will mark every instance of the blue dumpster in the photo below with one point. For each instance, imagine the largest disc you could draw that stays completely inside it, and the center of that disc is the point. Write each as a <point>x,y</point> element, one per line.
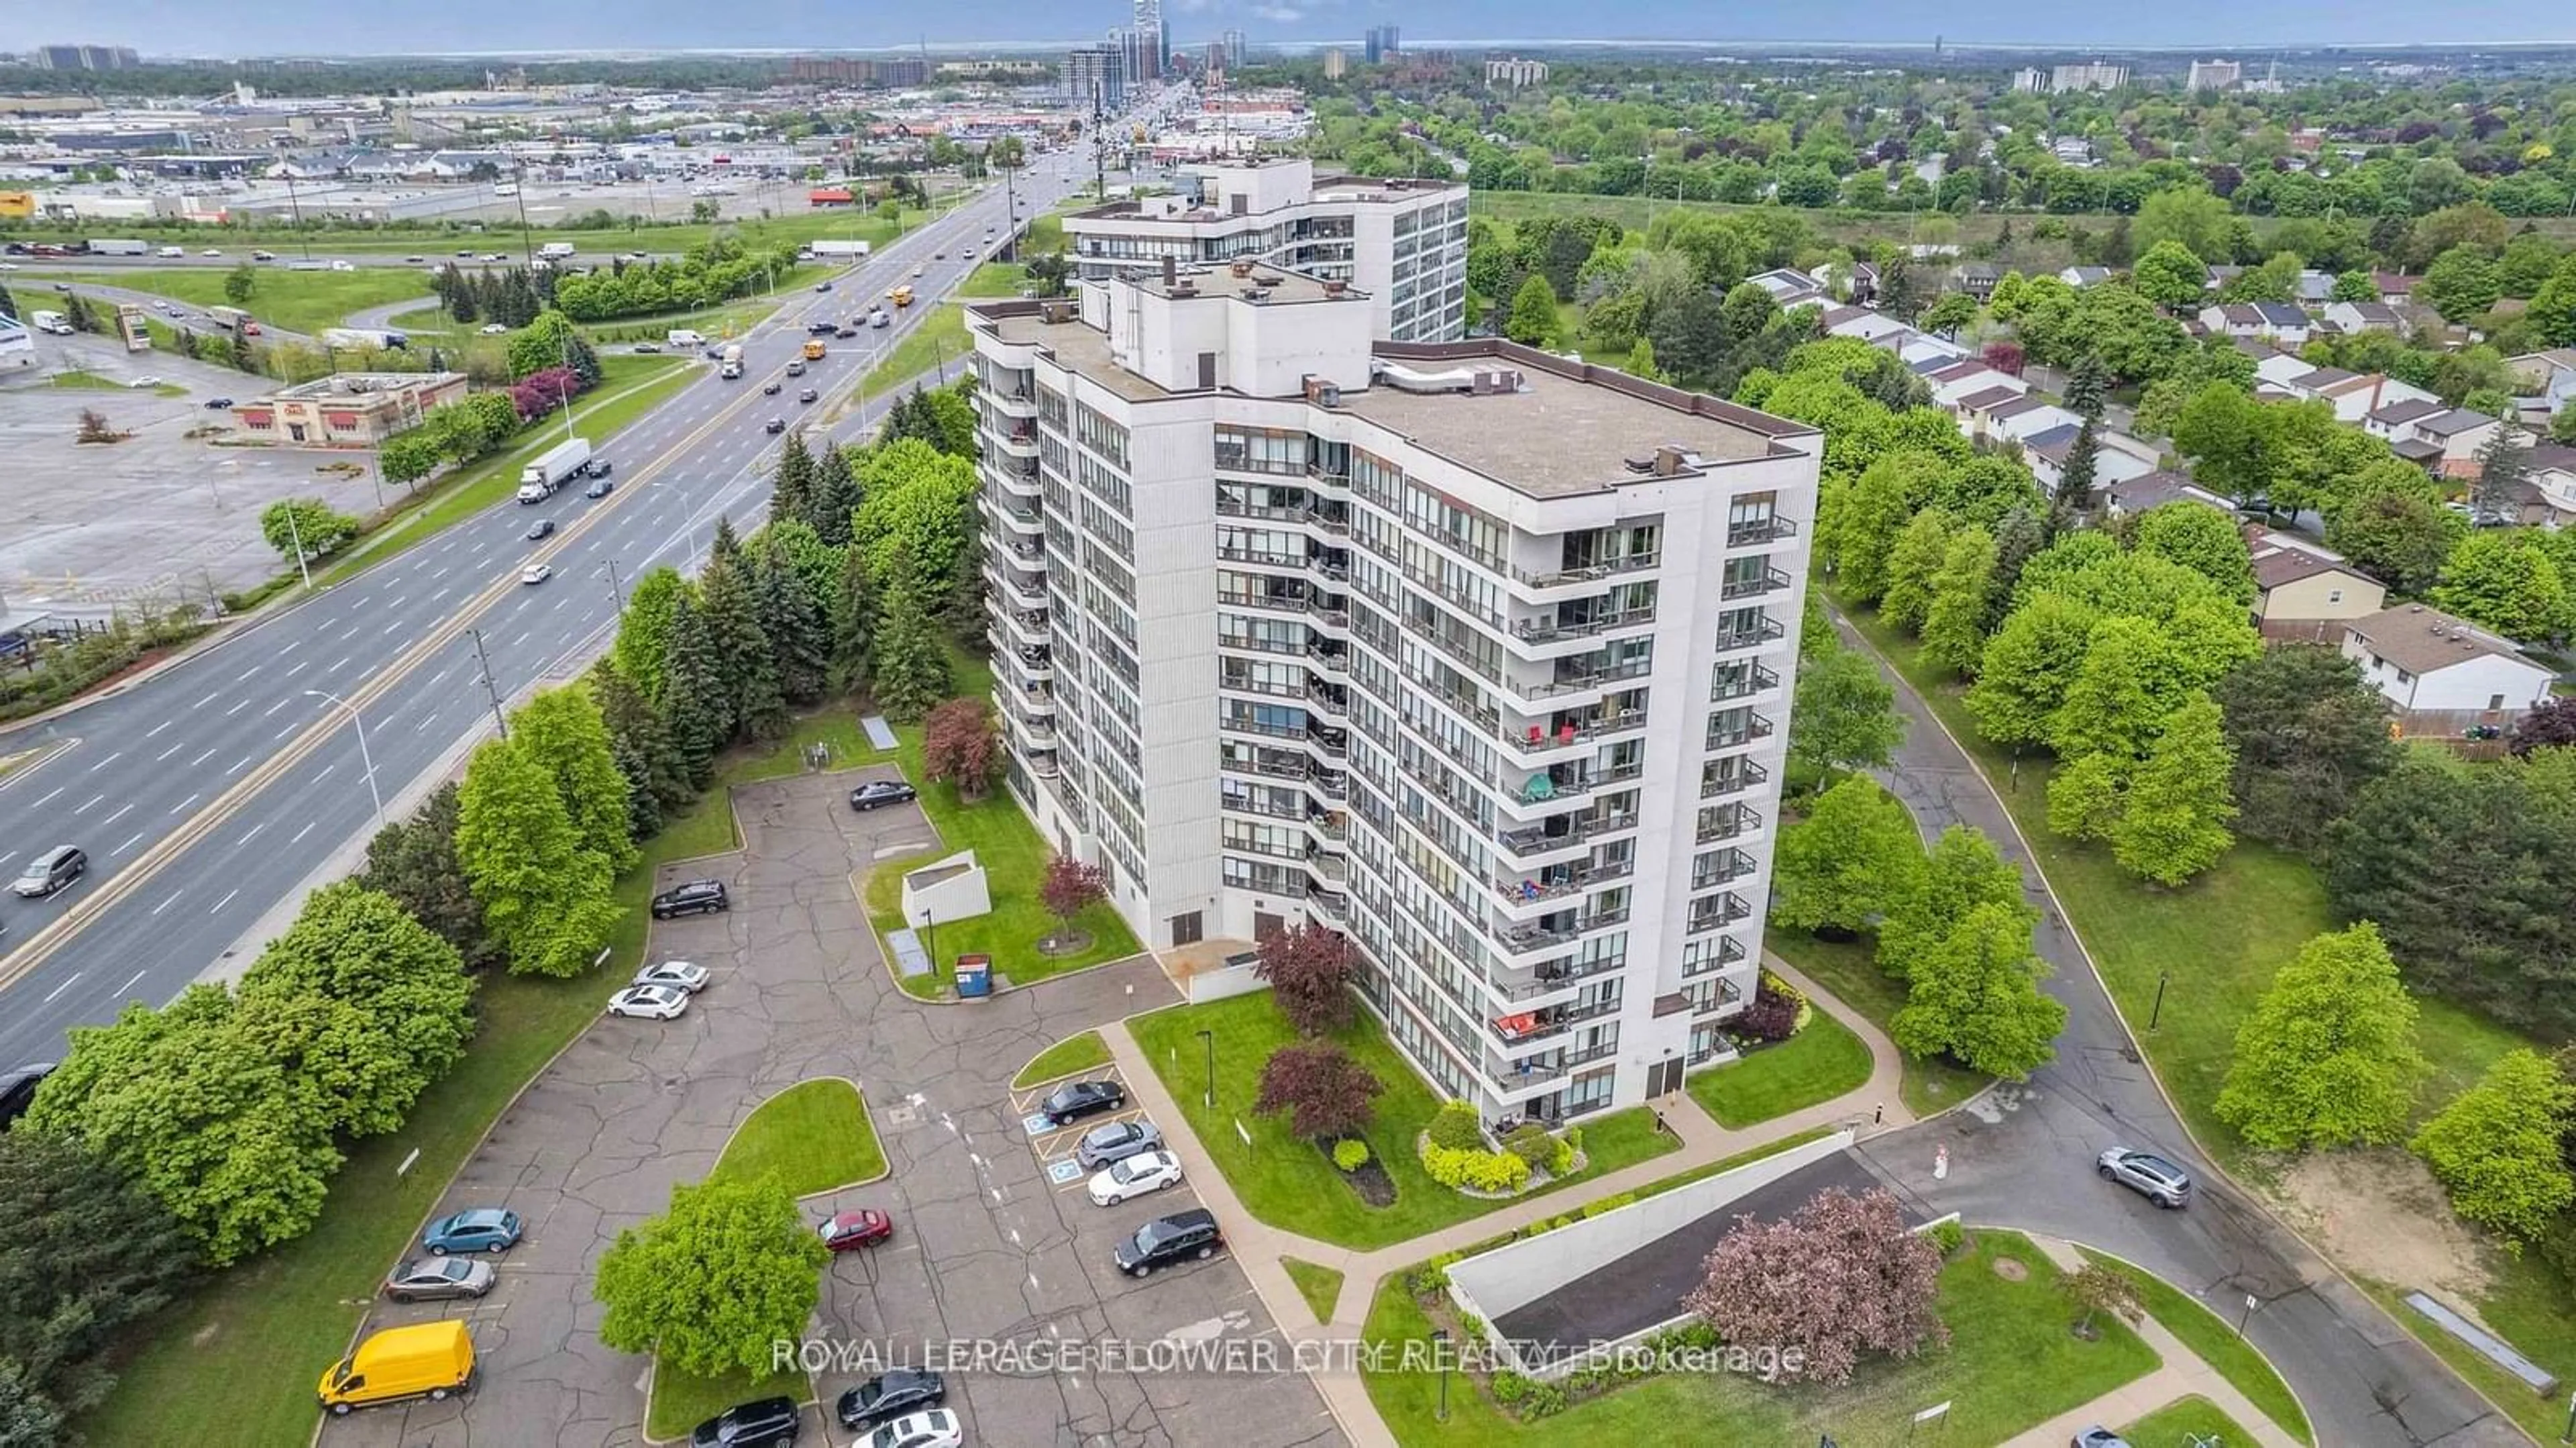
<point>974,976</point>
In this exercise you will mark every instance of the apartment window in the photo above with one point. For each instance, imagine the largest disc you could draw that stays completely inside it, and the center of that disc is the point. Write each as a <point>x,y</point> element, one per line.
<point>1464,529</point>
<point>1260,449</point>
<point>1101,435</point>
<point>2495,701</point>
<point>1588,1092</point>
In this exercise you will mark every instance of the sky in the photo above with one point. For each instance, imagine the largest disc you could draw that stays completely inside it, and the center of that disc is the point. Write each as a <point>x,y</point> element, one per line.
<point>258,27</point>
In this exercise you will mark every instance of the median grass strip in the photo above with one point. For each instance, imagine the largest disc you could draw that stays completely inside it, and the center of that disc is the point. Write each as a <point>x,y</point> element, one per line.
<point>940,339</point>
<point>1320,1286</point>
<point>266,1330</point>
<point>1068,1057</point>
<point>1287,1181</point>
<point>1847,969</point>
<point>2215,1340</point>
<point>1821,1062</point>
<point>295,301</point>
<point>814,1136</point>
<point>630,387</point>
<point>2012,1363</point>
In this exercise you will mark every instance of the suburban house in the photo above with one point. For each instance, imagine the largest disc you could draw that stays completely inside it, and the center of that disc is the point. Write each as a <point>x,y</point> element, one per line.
<point>2080,277</point>
<point>2117,456</point>
<point>1790,287</point>
<point>2155,489</point>
<point>2548,382</point>
<point>2354,395</point>
<point>2315,288</point>
<point>2276,322</point>
<point>1976,278</point>
<point>2364,317</point>
<point>2395,288</point>
<point>1860,322</point>
<point>2442,675</point>
<point>1954,384</point>
<point>2457,434</point>
<point>2553,475</point>
<point>2024,418</point>
<point>2302,591</point>
<point>2277,370</point>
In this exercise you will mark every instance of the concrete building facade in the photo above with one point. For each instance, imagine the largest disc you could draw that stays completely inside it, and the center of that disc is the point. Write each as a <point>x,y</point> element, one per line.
<point>347,409</point>
<point>1403,243</point>
<point>1477,656</point>
<point>1096,73</point>
<point>1515,72</point>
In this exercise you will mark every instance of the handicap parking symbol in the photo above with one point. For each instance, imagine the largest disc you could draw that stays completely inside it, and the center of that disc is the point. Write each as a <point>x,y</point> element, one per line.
<point>1036,1125</point>
<point>1064,1173</point>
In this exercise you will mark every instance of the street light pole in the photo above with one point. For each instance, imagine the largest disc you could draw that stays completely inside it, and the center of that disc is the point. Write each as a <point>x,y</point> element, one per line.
<point>1209,1037</point>
<point>616,590</point>
<point>1440,1351</point>
<point>295,535</point>
<point>364,757</point>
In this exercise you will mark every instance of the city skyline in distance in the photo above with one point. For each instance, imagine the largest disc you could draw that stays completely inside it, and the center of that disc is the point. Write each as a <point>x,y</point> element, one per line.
<point>240,29</point>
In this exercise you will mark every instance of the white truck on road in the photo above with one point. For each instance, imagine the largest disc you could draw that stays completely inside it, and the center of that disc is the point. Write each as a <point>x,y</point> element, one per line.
<point>563,461</point>
<point>114,247</point>
<point>555,250</point>
<point>51,323</point>
<point>731,367</point>
<point>358,339</point>
<point>853,250</point>
<point>684,337</point>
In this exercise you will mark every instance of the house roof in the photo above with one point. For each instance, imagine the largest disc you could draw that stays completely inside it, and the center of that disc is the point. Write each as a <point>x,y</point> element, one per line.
<point>2398,413</point>
<point>2322,378</point>
<point>2454,422</point>
<point>2146,490</point>
<point>2553,457</point>
<point>2280,314</point>
<point>1836,316</point>
<point>1990,397</point>
<point>1955,368</point>
<point>2373,314</point>
<point>2020,404</point>
<point>2416,449</point>
<point>2393,284</point>
<point>2052,443</point>
<point>1978,271</point>
<point>2239,314</point>
<point>2276,566</point>
<point>2085,276</point>
<point>2424,640</point>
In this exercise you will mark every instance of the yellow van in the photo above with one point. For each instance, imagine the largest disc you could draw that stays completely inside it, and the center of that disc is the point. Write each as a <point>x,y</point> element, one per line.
<point>426,1360</point>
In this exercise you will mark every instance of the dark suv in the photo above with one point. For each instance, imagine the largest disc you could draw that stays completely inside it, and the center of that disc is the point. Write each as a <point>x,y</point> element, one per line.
<point>2147,1174</point>
<point>18,1090</point>
<point>890,1395</point>
<point>1166,1240</point>
<point>698,897</point>
<point>764,1424</point>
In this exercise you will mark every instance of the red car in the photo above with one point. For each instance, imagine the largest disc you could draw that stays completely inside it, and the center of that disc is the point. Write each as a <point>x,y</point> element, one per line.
<point>849,1231</point>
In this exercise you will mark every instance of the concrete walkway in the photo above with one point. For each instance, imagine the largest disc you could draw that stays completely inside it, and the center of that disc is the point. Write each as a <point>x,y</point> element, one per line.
<point>1258,1246</point>
<point>2184,1374</point>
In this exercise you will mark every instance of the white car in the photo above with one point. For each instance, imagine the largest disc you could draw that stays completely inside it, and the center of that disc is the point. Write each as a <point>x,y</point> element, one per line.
<point>146,380</point>
<point>677,974</point>
<point>536,573</point>
<point>1134,1176</point>
<point>211,251</point>
<point>8,266</point>
<point>931,1428</point>
<point>338,265</point>
<point>649,1002</point>
<point>493,329</point>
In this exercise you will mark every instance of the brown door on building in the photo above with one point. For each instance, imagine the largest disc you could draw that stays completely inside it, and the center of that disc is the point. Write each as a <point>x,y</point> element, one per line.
<point>1664,1077</point>
<point>1265,926</point>
<point>1185,929</point>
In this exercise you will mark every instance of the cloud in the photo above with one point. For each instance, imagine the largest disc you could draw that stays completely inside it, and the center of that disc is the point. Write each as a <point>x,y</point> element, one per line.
<point>1282,14</point>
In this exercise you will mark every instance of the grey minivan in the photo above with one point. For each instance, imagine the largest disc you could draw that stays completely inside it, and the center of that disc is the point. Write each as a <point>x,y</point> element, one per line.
<point>51,871</point>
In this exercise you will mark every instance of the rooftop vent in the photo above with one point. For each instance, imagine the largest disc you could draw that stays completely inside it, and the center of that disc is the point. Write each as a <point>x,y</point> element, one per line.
<point>1672,460</point>
<point>1335,286</point>
<point>1055,311</point>
<point>1322,391</point>
<point>1240,268</point>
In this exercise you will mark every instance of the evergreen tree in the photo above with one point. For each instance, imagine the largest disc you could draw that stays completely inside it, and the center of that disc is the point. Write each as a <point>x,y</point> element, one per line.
<point>2173,821</point>
<point>696,706</point>
<point>2086,383</point>
<point>656,779</point>
<point>725,548</point>
<point>854,619</point>
<point>643,646</point>
<point>792,483</point>
<point>800,640</point>
<point>2021,536</point>
<point>2328,1057</point>
<point>837,495</point>
<point>910,672</point>
<point>750,667</point>
<point>2075,478</point>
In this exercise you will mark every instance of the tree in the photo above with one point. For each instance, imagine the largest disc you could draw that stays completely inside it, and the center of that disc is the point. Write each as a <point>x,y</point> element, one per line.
<point>241,284</point>
<point>695,703</point>
<point>643,646</point>
<point>1691,338</point>
<point>1308,969</point>
<point>562,731</point>
<point>1325,1093</point>
<point>414,862</point>
<point>1954,312</point>
<point>2504,462</point>
<point>2086,384</point>
<point>2309,734</point>
<point>1855,857</point>
<point>656,780</point>
<point>1533,316</point>
<point>545,897</point>
<point>1954,621</point>
<point>2173,820</point>
<point>791,492</point>
<point>1842,715</point>
<point>909,670</point>
<point>2399,538</point>
<point>2503,579</point>
<point>837,497</point>
<point>363,1004</point>
<point>853,621</point>
<point>2075,479</point>
<point>2328,1057</point>
<point>1840,1277</point>
<point>1068,888</point>
<point>1911,564</point>
<point>2499,1147</point>
<point>2171,277</point>
<point>2027,666</point>
<point>309,522</point>
<point>2202,539</point>
<point>1961,872</point>
<point>407,457</point>
<point>2188,217</point>
<point>86,1257</point>
<point>1641,362</point>
<point>2120,696</point>
<point>1974,996</point>
<point>917,514</point>
<point>716,1282</point>
<point>757,704</point>
<point>2461,284</point>
<point>2356,285</point>
<point>962,746</point>
<point>2097,1288</point>
<point>2223,432</point>
<point>2551,724</point>
<point>551,340</point>
<point>791,618</point>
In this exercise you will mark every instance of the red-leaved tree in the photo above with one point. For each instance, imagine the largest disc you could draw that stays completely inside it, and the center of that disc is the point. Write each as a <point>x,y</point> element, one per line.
<point>960,745</point>
<point>2004,357</point>
<point>2550,725</point>
<point>1070,887</point>
<point>543,391</point>
<point>1323,1090</point>
<point>1309,971</point>
<point>1840,1277</point>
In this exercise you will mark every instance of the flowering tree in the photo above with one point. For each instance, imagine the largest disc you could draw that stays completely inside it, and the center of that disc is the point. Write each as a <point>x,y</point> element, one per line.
<point>543,391</point>
<point>1309,971</point>
<point>1323,1090</point>
<point>960,745</point>
<point>1841,1277</point>
<point>1068,888</point>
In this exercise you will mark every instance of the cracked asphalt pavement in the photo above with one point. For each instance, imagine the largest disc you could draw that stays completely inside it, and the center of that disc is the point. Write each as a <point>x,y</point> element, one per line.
<point>986,1248</point>
<point>2024,1157</point>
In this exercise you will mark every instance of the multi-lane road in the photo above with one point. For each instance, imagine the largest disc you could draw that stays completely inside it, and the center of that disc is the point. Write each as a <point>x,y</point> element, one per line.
<point>208,793</point>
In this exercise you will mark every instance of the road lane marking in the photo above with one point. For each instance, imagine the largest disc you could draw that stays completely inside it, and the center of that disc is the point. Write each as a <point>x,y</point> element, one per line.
<point>104,763</point>
<point>237,708</point>
<point>339,663</point>
<point>66,985</point>
<point>220,904</point>
<point>299,835</point>
<point>252,670</point>
<point>238,768</point>
<point>273,708</point>
<point>299,668</point>
<point>201,703</point>
<point>129,982</point>
<point>522,638</point>
<point>291,647</point>
<point>84,809</point>
<point>396,624</point>
<point>166,753</point>
<point>192,799</point>
<point>173,900</point>
<point>157,728</point>
<point>251,833</point>
<point>120,814</point>
<point>129,843</point>
<point>193,763</point>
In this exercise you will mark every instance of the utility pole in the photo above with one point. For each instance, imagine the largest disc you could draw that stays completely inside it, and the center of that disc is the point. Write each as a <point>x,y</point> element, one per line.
<point>297,206</point>
<point>483,661</point>
<point>1099,145</point>
<point>616,590</point>
<point>519,193</point>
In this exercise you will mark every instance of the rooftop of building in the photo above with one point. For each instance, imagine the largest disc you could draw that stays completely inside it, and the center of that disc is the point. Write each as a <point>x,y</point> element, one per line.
<point>2420,640</point>
<point>360,384</point>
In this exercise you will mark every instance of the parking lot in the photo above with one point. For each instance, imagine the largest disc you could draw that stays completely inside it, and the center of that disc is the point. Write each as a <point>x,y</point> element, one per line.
<point>994,1262</point>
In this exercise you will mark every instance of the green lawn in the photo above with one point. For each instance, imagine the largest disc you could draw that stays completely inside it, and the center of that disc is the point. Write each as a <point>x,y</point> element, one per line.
<point>2531,1307</point>
<point>436,243</point>
<point>813,1137</point>
<point>1287,1182</point>
<point>1320,1286</point>
<point>941,338</point>
<point>2011,1364</point>
<point>2185,1423</point>
<point>2215,1339</point>
<point>296,301</point>
<point>995,279</point>
<point>680,1401</point>
<point>1817,1064</point>
<point>629,388</point>
<point>1848,969</point>
<point>265,1330</point>
<point>1067,1057</point>
<point>92,382</point>
<point>1014,858</point>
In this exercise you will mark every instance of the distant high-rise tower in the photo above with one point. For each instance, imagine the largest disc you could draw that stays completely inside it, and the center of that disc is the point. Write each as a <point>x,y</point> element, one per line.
<point>1156,47</point>
<point>1336,63</point>
<point>1234,50</point>
<point>1380,42</point>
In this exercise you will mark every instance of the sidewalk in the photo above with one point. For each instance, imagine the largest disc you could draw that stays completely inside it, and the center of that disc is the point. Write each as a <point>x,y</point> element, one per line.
<point>2183,1374</point>
<point>1257,1246</point>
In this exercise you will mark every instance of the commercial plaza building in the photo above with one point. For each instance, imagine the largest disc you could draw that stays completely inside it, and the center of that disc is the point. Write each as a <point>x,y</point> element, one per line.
<point>1402,242</point>
<point>1478,656</point>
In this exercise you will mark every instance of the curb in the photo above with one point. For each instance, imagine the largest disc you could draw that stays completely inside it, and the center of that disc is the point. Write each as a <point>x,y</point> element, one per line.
<point>2266,1358</point>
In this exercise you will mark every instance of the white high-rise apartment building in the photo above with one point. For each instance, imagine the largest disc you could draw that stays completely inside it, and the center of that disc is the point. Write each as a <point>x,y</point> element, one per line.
<point>2092,75</point>
<point>1478,656</point>
<point>1402,243</point>
<point>2214,75</point>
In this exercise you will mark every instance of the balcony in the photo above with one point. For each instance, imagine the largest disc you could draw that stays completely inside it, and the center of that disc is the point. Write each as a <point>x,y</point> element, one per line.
<point>1535,840</point>
<point>1561,627</point>
<point>1028,591</point>
<point>1331,868</point>
<point>1731,639</point>
<point>1018,475</point>
<point>1329,701</point>
<point>1577,681</point>
<point>1771,580</point>
<point>1332,784</point>
<point>1551,976</point>
<point>1743,685</point>
<point>1745,731</point>
<point>1260,644</point>
<point>1266,766</point>
<point>1018,442</point>
<point>1019,512</point>
<point>1751,531</point>
<point>1028,625</point>
<point>1013,401</point>
<point>1328,481</point>
<point>1521,1028</point>
<point>1332,826</point>
<point>1526,891</point>
<point>1588,573</point>
<point>1331,743</point>
<point>1728,823</point>
<point>1717,912</point>
<point>1332,662</point>
<point>1330,906</point>
<point>1729,952</point>
<point>1732,864</point>
<point>1248,724</point>
<point>1718,786</point>
<point>1569,733</point>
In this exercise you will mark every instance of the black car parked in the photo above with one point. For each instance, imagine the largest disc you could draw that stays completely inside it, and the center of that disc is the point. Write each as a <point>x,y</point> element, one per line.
<point>890,1395</point>
<point>878,793</point>
<point>1166,1240</point>
<point>18,1090</point>
<point>697,897</point>
<point>764,1424</point>
<point>1075,1100</point>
